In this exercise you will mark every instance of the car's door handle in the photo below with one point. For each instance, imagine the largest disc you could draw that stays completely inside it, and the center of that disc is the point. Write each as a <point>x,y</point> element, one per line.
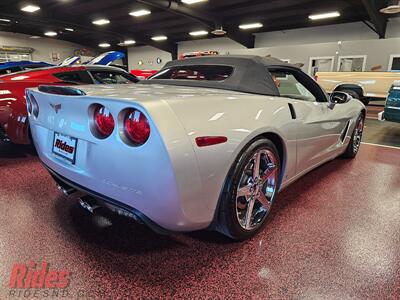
<point>292,111</point>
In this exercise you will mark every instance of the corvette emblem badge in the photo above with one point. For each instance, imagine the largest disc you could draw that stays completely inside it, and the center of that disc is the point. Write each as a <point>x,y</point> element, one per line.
<point>56,107</point>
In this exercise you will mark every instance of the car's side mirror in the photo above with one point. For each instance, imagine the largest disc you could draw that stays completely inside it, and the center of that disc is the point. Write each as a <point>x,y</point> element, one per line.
<point>339,98</point>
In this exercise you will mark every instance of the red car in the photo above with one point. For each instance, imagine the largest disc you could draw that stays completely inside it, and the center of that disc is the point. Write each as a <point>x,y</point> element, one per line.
<point>143,74</point>
<point>14,125</point>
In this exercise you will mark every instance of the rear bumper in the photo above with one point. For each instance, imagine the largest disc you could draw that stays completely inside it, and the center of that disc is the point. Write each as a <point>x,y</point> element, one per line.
<point>159,179</point>
<point>68,184</point>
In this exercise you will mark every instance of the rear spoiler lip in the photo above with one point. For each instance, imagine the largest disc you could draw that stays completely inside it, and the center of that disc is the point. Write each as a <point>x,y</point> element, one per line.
<point>61,90</point>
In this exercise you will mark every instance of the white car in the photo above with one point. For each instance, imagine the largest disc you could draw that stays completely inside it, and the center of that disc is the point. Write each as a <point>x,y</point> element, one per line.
<point>205,143</point>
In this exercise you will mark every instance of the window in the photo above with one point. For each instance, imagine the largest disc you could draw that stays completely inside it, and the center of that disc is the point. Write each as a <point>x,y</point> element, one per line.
<point>394,63</point>
<point>10,70</point>
<point>295,84</point>
<point>74,77</point>
<point>290,87</point>
<point>197,72</point>
<point>320,64</point>
<point>6,56</point>
<point>352,63</point>
<point>111,77</point>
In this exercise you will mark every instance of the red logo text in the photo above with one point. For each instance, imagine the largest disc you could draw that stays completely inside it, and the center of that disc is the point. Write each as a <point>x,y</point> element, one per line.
<point>38,276</point>
<point>63,146</point>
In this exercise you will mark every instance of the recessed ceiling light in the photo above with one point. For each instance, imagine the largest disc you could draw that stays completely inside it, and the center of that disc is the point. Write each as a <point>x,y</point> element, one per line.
<point>104,45</point>
<point>69,29</point>
<point>127,42</point>
<point>251,26</point>
<point>198,33</point>
<point>393,7</point>
<point>139,13</point>
<point>159,38</point>
<point>30,8</point>
<point>50,33</point>
<point>333,14</point>
<point>5,20</point>
<point>101,22</point>
<point>192,1</point>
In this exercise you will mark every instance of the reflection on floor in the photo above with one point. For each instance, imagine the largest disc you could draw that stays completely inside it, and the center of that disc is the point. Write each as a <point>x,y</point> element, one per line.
<point>383,133</point>
<point>334,234</point>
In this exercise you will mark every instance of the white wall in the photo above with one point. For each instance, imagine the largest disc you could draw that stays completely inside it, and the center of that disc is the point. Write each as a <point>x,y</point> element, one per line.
<point>299,45</point>
<point>324,34</point>
<point>222,45</point>
<point>393,30</point>
<point>148,55</point>
<point>378,51</point>
<point>43,46</point>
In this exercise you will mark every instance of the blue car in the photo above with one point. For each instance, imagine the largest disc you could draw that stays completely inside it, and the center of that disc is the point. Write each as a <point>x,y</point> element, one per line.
<point>16,66</point>
<point>104,59</point>
<point>392,107</point>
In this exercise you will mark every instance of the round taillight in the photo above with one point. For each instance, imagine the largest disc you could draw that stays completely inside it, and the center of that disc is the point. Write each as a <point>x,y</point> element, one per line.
<point>104,121</point>
<point>34,106</point>
<point>137,127</point>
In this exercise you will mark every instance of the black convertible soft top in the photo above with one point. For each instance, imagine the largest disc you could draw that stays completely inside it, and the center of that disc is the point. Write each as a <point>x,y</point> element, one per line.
<point>250,74</point>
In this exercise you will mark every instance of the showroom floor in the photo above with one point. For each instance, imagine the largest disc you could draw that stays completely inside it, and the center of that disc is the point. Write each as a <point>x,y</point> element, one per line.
<point>334,234</point>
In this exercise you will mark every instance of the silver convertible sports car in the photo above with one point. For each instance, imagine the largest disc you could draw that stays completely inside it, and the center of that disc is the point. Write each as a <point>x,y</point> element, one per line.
<point>207,142</point>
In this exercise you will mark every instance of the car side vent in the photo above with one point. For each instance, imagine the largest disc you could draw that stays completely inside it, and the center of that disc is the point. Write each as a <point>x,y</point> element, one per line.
<point>292,111</point>
<point>61,90</point>
<point>344,132</point>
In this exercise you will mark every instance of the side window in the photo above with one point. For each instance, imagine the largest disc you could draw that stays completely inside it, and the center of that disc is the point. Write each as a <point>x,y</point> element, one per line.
<point>10,70</point>
<point>297,85</point>
<point>111,77</point>
<point>196,72</point>
<point>290,87</point>
<point>74,77</point>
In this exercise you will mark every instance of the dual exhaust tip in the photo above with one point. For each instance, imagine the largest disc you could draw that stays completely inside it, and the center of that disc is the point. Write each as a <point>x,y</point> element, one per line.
<point>66,190</point>
<point>92,205</point>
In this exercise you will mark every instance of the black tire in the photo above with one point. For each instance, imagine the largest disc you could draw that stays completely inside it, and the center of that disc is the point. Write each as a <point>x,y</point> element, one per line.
<point>228,223</point>
<point>355,142</point>
<point>354,94</point>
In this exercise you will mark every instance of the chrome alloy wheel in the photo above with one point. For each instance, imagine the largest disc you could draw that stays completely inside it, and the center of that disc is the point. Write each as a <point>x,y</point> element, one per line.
<point>256,189</point>
<point>358,135</point>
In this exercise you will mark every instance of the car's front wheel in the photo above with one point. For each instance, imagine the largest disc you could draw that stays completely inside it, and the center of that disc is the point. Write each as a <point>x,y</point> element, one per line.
<point>250,190</point>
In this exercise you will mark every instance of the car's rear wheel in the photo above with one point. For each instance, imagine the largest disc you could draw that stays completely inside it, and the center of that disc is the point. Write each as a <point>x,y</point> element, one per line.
<point>355,142</point>
<point>250,190</point>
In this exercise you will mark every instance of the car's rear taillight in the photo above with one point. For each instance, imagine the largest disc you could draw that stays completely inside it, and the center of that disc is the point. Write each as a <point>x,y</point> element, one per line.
<point>136,127</point>
<point>103,122</point>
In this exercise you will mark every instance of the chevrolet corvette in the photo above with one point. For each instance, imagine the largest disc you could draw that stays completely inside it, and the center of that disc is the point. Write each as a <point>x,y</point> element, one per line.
<point>206,143</point>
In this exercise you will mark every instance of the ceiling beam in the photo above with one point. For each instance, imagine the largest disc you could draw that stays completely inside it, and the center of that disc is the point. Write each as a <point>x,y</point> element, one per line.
<point>209,20</point>
<point>378,20</point>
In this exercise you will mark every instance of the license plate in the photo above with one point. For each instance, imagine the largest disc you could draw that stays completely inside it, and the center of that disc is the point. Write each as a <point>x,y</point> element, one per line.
<point>65,146</point>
